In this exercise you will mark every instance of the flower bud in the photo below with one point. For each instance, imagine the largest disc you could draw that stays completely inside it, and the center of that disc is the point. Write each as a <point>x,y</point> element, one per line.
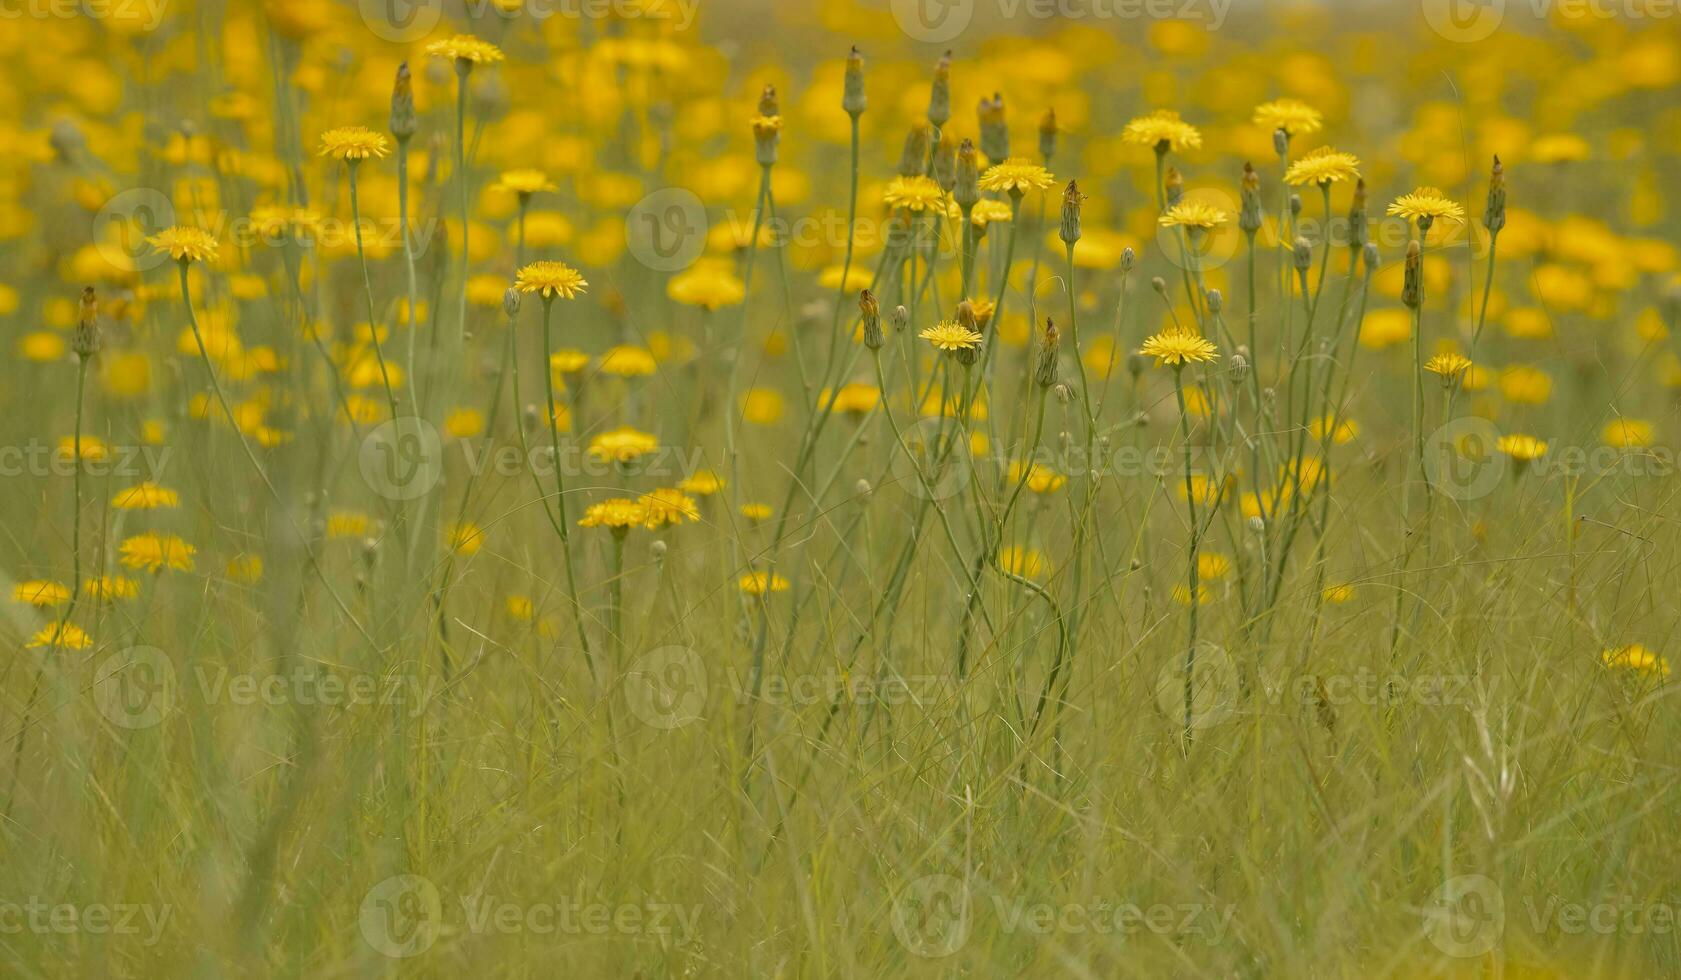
<point>939,98</point>
<point>402,105</point>
<point>1174,187</point>
<point>1216,302</point>
<point>1295,207</point>
<point>853,99</point>
<point>1357,225</point>
<point>1280,142</point>
<point>1072,200</point>
<point>1494,216</point>
<point>510,303</point>
<point>767,127</point>
<point>1045,367</point>
<point>87,340</point>
<point>1047,134</point>
<point>1129,258</point>
<point>995,134</point>
<point>871,309</point>
<point>945,165</point>
<point>1239,366</point>
<point>1302,253</point>
<point>1249,214</point>
<point>1369,258</point>
<point>1412,285</point>
<point>914,160</point>
<point>901,318</point>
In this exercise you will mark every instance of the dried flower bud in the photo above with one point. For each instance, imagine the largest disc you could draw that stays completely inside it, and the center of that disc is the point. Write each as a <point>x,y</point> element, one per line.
<point>871,309</point>
<point>1047,134</point>
<point>939,98</point>
<point>1072,200</point>
<point>995,134</point>
<point>1494,216</point>
<point>1045,368</point>
<point>1249,213</point>
<point>945,166</point>
<point>853,99</point>
<point>967,190</point>
<point>1412,286</point>
<point>1174,187</point>
<point>402,105</point>
<point>86,342</point>
<point>914,160</point>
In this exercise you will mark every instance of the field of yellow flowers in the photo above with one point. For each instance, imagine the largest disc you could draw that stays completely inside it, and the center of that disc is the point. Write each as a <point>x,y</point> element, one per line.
<point>846,488</point>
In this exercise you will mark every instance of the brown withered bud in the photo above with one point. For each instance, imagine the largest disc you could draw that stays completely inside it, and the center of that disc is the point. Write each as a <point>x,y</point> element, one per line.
<point>1494,216</point>
<point>1045,368</point>
<point>86,341</point>
<point>1072,201</point>
<point>871,310</point>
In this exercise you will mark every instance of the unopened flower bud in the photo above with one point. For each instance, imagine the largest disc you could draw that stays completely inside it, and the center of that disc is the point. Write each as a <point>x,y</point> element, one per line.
<point>1494,216</point>
<point>1369,258</point>
<point>767,127</point>
<point>1216,302</point>
<point>1239,365</point>
<point>510,303</point>
<point>1302,253</point>
<point>1045,369</point>
<point>871,309</point>
<point>967,191</point>
<point>995,135</point>
<point>1295,206</point>
<point>1412,284</point>
<point>945,166</point>
<point>914,160</point>
<point>939,98</point>
<point>1129,258</point>
<point>901,318</point>
<point>1071,202</point>
<point>1249,213</point>
<point>657,549</point>
<point>86,342</point>
<point>1047,134</point>
<point>1280,142</point>
<point>862,488</point>
<point>1174,187</point>
<point>1159,285</point>
<point>402,105</point>
<point>853,99</point>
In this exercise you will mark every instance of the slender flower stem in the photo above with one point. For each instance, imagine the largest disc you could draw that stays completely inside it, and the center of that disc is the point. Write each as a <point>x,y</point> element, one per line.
<point>1195,545</point>
<point>562,524</point>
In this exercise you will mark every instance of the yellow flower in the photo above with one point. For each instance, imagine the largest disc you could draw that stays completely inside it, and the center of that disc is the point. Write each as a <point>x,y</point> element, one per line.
<point>146,496</point>
<point>65,636</point>
<point>991,212</point>
<point>622,445</point>
<point>703,483</point>
<point>1178,348</point>
<point>1182,594</point>
<point>245,568</point>
<point>184,244</point>
<point>1386,328</point>
<point>524,182</point>
<point>463,423</point>
<point>520,607</point>
<point>1040,479</point>
<point>762,406</point>
<point>1526,385</point>
<point>551,279</point>
<point>154,552</point>
<point>1522,448</point>
<point>1022,562</point>
<point>105,588</point>
<point>1560,148</point>
<point>353,143</point>
<point>1450,365</point>
<point>1636,658</point>
<point>759,583</point>
<point>1016,176</point>
<point>1192,213</point>
<point>465,538</point>
<point>1426,202</point>
<point>628,362</point>
<point>618,515</point>
<point>1212,567</point>
<point>913,193</point>
<point>1628,434</point>
<point>466,49</point>
<point>668,506</point>
<point>1336,595</point>
<point>1162,129</point>
<point>1323,166</point>
<point>756,512</point>
<point>709,285</point>
<point>1346,430</point>
<point>951,336</point>
<point>41,595</point>
<point>568,361</point>
<point>1291,115</point>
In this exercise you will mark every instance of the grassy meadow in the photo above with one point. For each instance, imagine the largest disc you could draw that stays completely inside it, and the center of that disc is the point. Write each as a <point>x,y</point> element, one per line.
<point>848,488</point>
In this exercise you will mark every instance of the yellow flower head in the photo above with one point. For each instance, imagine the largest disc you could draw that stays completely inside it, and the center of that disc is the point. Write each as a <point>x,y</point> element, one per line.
<point>1450,365</point>
<point>1522,448</point>
<point>1178,348</point>
<point>623,445</point>
<point>66,636</point>
<point>853,399</point>
<point>1323,166</point>
<point>1192,213</point>
<point>465,538</point>
<point>1628,434</point>
<point>525,182</point>
<point>625,361</point>
<point>951,337</point>
<point>464,49</point>
<point>703,483</point>
<point>1016,176</point>
<point>759,583</point>
<point>619,515</point>
<point>105,588</point>
<point>41,595</point>
<point>551,279</point>
<point>708,285</point>
<point>146,496</point>
<point>1427,203</point>
<point>1637,658</point>
<point>1039,479</point>
<point>668,506</point>
<point>913,193</point>
<point>155,552</point>
<point>1291,115</point>
<point>1163,130</point>
<point>184,244</point>
<point>353,143</point>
